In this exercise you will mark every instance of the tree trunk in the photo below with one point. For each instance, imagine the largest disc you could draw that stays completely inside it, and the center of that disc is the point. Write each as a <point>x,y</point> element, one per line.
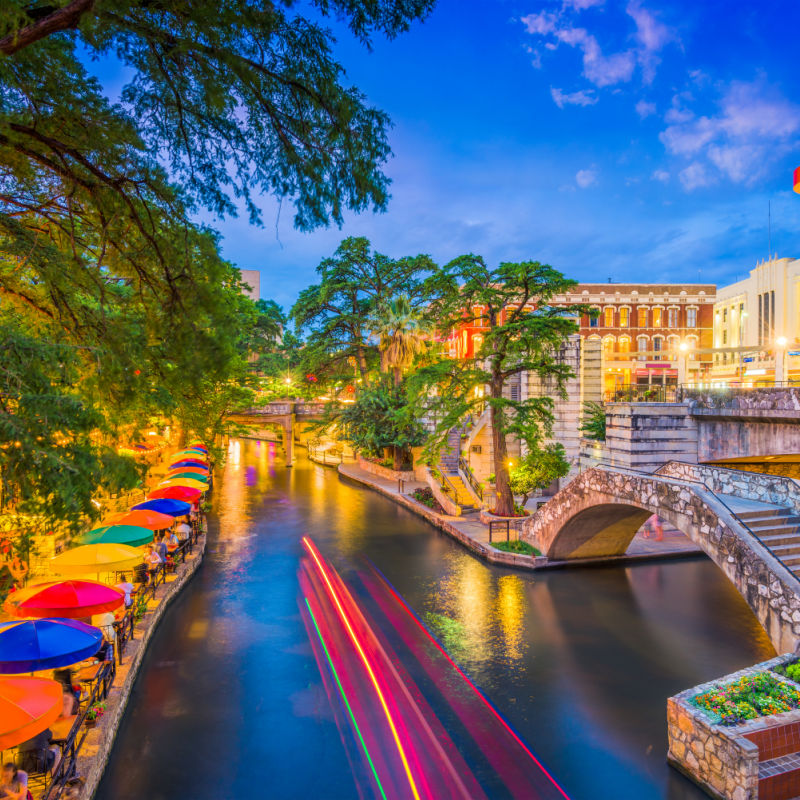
<point>505,499</point>
<point>398,376</point>
<point>398,458</point>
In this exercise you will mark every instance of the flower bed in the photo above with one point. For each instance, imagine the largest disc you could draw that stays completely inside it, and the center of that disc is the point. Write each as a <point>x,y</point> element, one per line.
<point>425,496</point>
<point>748,697</point>
<point>790,670</point>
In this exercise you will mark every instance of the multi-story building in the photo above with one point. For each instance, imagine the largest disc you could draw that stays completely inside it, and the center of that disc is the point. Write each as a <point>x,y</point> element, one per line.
<point>251,278</point>
<point>757,326</point>
<point>650,333</point>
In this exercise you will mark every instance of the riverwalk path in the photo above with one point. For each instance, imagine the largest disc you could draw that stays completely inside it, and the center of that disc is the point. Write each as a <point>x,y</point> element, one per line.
<point>474,534</point>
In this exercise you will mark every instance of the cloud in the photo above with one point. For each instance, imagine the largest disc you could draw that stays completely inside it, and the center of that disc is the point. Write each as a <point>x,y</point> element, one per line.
<point>645,109</point>
<point>582,5</point>
<point>753,126</point>
<point>586,177</point>
<point>601,70</point>
<point>540,24</point>
<point>580,98</point>
<point>660,175</point>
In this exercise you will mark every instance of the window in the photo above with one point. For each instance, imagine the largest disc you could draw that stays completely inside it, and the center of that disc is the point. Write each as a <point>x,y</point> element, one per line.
<point>609,318</point>
<point>724,315</point>
<point>672,317</point>
<point>657,317</point>
<point>594,320</point>
<point>624,344</point>
<point>641,346</point>
<point>673,343</point>
<point>477,343</point>
<point>608,347</point>
<point>724,337</point>
<point>691,341</point>
<point>642,317</point>
<point>623,317</point>
<point>658,346</point>
<point>691,317</point>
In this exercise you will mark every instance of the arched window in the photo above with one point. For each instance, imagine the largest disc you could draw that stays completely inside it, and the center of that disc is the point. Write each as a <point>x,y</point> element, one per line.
<point>642,347</point>
<point>608,316</point>
<point>477,343</point>
<point>624,344</point>
<point>642,314</point>
<point>691,344</point>
<point>624,317</point>
<point>658,346</point>
<point>608,347</point>
<point>673,342</point>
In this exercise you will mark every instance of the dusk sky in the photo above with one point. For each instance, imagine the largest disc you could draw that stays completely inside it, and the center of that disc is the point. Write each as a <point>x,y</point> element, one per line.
<point>636,141</point>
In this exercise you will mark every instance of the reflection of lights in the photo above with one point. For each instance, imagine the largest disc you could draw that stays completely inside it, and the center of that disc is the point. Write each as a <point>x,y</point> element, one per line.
<point>346,701</point>
<point>510,612</point>
<point>312,550</point>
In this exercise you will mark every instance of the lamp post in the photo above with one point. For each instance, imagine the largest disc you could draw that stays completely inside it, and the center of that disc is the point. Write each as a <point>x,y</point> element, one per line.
<point>780,351</point>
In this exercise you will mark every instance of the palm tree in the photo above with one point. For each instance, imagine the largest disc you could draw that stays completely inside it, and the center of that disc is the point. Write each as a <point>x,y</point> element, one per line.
<point>402,336</point>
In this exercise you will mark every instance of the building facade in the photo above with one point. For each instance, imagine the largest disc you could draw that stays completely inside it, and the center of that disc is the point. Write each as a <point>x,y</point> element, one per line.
<point>757,326</point>
<point>252,280</point>
<point>651,334</point>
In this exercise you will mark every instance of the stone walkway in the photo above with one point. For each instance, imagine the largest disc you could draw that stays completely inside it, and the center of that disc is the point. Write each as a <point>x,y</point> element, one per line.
<point>474,534</point>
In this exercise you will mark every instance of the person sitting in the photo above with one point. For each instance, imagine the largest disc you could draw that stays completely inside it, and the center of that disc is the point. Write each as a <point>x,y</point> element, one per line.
<point>14,783</point>
<point>127,588</point>
<point>171,540</point>
<point>184,530</point>
<point>152,560</point>
<point>161,546</point>
<point>66,678</point>
<point>37,755</point>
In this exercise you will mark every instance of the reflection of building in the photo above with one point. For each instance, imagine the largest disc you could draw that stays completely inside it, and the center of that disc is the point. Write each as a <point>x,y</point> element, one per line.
<point>252,278</point>
<point>757,326</point>
<point>642,327</point>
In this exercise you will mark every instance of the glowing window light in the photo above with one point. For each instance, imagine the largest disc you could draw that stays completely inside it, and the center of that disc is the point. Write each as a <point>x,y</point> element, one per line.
<point>346,701</point>
<point>312,550</point>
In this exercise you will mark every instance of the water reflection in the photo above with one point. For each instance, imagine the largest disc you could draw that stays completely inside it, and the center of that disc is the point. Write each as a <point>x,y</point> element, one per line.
<point>230,704</point>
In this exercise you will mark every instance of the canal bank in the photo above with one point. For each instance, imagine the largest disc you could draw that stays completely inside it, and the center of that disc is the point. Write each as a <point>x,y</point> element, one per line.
<point>229,701</point>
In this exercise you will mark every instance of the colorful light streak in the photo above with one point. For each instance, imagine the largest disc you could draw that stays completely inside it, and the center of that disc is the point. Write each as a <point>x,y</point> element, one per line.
<point>474,688</point>
<point>346,701</point>
<point>334,596</point>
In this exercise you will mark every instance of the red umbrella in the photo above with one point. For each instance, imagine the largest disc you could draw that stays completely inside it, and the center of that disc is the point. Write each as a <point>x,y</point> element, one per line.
<point>145,519</point>
<point>185,493</point>
<point>71,599</point>
<point>27,707</point>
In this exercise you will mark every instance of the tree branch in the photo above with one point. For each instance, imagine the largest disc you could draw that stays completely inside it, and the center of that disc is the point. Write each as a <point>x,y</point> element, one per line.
<point>61,19</point>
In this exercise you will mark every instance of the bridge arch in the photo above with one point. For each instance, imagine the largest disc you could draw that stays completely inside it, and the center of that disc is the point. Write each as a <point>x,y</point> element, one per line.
<point>599,512</point>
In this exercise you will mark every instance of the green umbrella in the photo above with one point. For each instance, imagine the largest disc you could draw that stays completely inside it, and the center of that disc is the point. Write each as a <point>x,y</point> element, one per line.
<point>193,475</point>
<point>131,535</point>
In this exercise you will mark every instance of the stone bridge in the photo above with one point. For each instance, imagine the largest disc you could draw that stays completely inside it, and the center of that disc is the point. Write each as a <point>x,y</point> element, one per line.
<point>281,414</point>
<point>599,512</point>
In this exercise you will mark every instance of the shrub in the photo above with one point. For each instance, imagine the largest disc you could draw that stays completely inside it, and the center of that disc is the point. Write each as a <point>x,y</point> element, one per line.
<point>516,546</point>
<point>425,496</point>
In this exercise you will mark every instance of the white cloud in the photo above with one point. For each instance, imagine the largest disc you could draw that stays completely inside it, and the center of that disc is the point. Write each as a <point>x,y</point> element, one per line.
<point>753,126</point>
<point>586,177</point>
<point>645,108</point>
<point>599,69</point>
<point>541,24</point>
<point>582,5</point>
<point>580,98</point>
<point>694,176</point>
<point>660,175</point>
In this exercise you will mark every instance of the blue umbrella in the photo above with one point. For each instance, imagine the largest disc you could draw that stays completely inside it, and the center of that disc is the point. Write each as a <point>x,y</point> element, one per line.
<point>189,463</point>
<point>29,645</point>
<point>166,505</point>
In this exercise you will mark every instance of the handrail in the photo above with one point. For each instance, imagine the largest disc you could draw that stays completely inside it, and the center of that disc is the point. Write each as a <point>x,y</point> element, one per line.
<point>471,479</point>
<point>717,496</point>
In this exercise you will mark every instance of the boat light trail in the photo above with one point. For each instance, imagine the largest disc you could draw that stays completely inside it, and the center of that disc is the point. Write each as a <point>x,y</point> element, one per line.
<point>312,551</point>
<point>346,701</point>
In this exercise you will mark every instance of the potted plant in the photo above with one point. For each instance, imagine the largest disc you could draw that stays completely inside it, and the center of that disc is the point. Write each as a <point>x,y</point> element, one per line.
<point>94,714</point>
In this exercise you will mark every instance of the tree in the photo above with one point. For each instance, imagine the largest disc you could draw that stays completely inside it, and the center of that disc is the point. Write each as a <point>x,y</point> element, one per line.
<point>401,336</point>
<point>537,470</point>
<point>522,335</point>
<point>338,313</point>
<point>379,420</point>
<point>593,425</point>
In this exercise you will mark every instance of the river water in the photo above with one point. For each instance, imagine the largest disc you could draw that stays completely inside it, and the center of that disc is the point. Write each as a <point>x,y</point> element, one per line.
<point>229,703</point>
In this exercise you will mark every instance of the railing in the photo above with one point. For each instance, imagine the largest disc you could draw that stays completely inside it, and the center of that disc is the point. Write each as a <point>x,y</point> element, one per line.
<point>66,769</point>
<point>714,397</point>
<point>506,525</point>
<point>471,479</point>
<point>325,456</point>
<point>633,393</point>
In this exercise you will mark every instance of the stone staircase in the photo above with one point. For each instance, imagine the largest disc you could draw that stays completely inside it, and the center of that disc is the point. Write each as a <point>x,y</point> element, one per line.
<point>778,528</point>
<point>448,464</point>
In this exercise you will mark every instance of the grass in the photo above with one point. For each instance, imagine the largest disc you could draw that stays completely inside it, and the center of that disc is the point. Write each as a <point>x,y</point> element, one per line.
<point>516,546</point>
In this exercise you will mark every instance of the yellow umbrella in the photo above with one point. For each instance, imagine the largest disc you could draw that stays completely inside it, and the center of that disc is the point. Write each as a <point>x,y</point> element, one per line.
<point>190,482</point>
<point>101,557</point>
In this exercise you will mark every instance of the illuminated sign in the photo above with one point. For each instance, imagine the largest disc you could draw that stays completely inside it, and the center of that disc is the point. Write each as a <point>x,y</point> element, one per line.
<point>756,372</point>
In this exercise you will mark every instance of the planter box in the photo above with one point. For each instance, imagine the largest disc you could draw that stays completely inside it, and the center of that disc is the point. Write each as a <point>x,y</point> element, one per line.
<point>487,517</point>
<point>384,472</point>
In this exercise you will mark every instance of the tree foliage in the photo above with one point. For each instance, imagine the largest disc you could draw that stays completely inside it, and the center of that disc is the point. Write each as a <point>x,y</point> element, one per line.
<point>537,470</point>
<point>523,333</point>
<point>593,425</point>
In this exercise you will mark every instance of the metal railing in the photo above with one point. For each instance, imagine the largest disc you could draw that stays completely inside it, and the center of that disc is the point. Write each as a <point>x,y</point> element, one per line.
<point>471,479</point>
<point>634,393</point>
<point>325,456</point>
<point>506,525</point>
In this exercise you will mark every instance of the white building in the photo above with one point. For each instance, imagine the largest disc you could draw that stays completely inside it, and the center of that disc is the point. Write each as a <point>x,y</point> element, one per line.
<point>757,326</point>
<point>252,279</point>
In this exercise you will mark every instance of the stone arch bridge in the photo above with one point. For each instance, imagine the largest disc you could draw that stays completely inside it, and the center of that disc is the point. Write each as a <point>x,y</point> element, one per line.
<point>599,512</point>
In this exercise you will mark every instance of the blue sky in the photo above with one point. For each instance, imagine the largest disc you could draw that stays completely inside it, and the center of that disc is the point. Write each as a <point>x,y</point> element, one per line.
<point>623,139</point>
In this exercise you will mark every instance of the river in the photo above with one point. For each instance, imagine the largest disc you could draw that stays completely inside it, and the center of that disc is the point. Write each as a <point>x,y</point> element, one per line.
<point>229,703</point>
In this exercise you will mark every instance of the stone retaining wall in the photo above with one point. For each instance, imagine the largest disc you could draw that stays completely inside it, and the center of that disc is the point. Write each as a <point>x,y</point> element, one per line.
<point>99,740</point>
<point>721,759</point>
<point>384,472</point>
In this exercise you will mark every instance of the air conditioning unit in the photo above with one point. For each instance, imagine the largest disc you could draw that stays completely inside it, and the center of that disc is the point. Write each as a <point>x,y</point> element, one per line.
<point>476,448</point>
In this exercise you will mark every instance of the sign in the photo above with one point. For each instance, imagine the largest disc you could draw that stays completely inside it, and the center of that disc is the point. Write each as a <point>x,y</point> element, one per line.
<point>749,359</point>
<point>755,372</point>
<point>793,353</point>
<point>659,365</point>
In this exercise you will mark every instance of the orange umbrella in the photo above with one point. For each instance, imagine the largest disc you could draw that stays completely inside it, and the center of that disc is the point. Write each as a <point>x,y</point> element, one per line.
<point>203,473</point>
<point>27,707</point>
<point>144,518</point>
